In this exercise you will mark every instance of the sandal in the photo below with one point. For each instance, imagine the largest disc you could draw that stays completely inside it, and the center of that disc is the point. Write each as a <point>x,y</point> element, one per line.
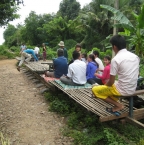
<point>114,113</point>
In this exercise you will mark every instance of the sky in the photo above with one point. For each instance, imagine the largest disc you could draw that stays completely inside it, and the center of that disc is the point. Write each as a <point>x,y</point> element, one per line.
<point>40,7</point>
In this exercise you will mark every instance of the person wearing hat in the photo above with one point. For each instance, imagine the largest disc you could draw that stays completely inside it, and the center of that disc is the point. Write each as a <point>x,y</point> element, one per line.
<point>61,45</point>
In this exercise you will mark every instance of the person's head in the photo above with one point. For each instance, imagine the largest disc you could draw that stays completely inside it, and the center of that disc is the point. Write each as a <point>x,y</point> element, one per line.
<point>60,52</point>
<point>107,60</point>
<point>43,44</point>
<point>78,47</point>
<point>84,55</point>
<point>118,42</point>
<point>96,53</point>
<point>76,55</point>
<point>91,58</point>
<point>61,44</point>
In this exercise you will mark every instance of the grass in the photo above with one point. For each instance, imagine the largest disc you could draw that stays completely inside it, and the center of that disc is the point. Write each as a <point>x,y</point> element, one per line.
<point>84,126</point>
<point>3,140</point>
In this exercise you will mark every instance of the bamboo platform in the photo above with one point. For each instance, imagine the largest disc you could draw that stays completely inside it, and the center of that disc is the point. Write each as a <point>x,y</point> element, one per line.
<point>97,106</point>
<point>85,97</point>
<point>38,67</point>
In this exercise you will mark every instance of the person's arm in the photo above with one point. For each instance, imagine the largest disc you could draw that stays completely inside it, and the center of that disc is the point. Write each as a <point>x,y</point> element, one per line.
<point>111,81</point>
<point>33,54</point>
<point>88,69</point>
<point>66,53</point>
<point>113,72</point>
<point>104,75</point>
<point>69,75</point>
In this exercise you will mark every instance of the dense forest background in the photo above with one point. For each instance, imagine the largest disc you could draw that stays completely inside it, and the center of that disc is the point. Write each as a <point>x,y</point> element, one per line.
<point>91,25</point>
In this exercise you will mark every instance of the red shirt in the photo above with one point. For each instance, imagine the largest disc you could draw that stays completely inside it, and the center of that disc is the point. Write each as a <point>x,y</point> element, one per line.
<point>106,74</point>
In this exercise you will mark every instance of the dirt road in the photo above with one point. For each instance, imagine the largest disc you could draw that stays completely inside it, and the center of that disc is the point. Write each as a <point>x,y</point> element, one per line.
<point>24,115</point>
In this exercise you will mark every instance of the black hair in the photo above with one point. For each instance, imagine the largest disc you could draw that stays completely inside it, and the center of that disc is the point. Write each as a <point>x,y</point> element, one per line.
<point>78,45</point>
<point>107,57</point>
<point>76,55</point>
<point>119,41</point>
<point>93,59</point>
<point>60,52</point>
<point>85,55</point>
<point>96,53</point>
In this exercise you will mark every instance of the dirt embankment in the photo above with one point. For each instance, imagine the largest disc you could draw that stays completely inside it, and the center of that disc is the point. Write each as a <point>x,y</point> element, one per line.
<point>24,114</point>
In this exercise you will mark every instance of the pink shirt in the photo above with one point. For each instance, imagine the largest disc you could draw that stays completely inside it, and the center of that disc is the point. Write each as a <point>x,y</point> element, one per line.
<point>106,74</point>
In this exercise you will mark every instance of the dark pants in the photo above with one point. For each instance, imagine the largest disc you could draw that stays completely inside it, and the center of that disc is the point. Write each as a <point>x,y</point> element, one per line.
<point>95,80</point>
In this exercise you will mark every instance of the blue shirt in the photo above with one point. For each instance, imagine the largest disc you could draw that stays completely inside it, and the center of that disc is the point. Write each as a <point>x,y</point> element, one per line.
<point>60,66</point>
<point>31,51</point>
<point>91,70</point>
<point>65,52</point>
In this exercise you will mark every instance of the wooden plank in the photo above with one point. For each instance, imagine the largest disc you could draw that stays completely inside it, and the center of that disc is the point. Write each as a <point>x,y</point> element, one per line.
<point>135,122</point>
<point>137,92</point>
<point>108,118</point>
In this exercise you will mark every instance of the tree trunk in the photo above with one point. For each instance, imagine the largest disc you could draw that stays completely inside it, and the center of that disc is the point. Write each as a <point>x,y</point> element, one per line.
<point>115,30</point>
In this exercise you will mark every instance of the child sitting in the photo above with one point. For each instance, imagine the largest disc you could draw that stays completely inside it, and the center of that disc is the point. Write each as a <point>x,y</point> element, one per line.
<point>102,79</point>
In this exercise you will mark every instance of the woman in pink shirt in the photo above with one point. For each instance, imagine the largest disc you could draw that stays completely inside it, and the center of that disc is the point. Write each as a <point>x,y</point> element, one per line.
<point>102,79</point>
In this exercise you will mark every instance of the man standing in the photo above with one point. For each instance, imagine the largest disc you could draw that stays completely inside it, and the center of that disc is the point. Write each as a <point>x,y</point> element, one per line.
<point>76,72</point>
<point>61,45</point>
<point>23,47</point>
<point>126,65</point>
<point>26,56</point>
<point>60,66</point>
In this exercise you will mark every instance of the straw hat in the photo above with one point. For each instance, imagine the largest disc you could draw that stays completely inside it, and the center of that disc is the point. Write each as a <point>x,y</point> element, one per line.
<point>61,43</point>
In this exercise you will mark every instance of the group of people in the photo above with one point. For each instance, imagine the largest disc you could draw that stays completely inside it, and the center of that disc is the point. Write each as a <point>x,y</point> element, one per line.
<point>124,66</point>
<point>82,69</point>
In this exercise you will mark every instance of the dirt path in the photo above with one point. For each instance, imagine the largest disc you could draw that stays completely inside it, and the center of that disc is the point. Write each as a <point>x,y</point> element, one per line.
<point>24,114</point>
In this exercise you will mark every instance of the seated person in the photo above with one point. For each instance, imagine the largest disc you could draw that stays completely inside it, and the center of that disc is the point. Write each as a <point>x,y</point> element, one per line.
<point>92,66</point>
<point>60,66</point>
<point>98,60</point>
<point>76,72</point>
<point>84,57</point>
<point>103,79</point>
<point>126,65</point>
<point>77,49</point>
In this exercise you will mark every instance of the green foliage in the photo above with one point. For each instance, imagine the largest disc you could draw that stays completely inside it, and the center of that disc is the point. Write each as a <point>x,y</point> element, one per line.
<point>69,9</point>
<point>134,32</point>
<point>84,127</point>
<point>51,54</point>
<point>141,142</point>
<point>8,9</point>
<point>70,43</point>
<point>4,140</point>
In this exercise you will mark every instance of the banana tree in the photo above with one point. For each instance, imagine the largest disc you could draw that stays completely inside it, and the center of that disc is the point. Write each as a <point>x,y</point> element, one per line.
<point>135,32</point>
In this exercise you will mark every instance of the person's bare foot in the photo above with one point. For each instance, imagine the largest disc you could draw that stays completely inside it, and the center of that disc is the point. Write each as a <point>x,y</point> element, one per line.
<point>117,108</point>
<point>18,68</point>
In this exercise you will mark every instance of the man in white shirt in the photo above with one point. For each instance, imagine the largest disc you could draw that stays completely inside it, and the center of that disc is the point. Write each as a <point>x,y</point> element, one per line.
<point>36,50</point>
<point>22,48</point>
<point>101,66</point>
<point>126,65</point>
<point>76,72</point>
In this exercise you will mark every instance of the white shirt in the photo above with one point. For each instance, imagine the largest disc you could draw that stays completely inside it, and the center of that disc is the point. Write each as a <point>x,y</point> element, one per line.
<point>101,66</point>
<point>36,50</point>
<point>23,47</point>
<point>126,65</point>
<point>77,72</point>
